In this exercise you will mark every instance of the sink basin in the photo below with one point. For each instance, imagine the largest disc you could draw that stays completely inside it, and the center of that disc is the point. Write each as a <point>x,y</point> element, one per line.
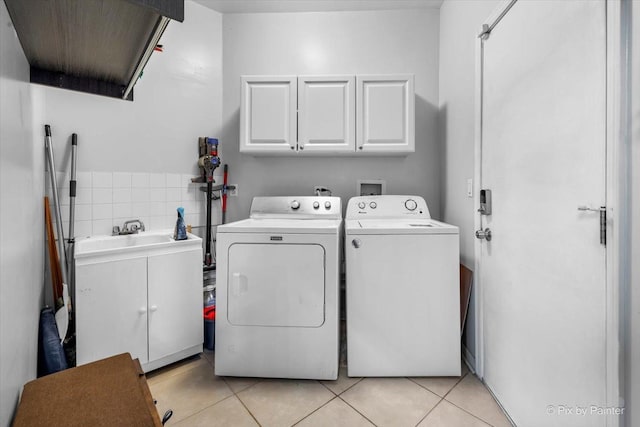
<point>128,243</point>
<point>97,243</point>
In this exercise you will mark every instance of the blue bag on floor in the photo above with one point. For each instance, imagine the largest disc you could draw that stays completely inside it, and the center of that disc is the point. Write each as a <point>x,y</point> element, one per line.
<point>51,358</point>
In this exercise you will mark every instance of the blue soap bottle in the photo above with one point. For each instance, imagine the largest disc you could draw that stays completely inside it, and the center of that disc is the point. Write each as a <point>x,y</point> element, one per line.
<point>180,232</point>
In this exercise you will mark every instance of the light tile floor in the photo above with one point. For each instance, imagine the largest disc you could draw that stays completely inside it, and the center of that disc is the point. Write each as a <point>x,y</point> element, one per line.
<point>199,398</point>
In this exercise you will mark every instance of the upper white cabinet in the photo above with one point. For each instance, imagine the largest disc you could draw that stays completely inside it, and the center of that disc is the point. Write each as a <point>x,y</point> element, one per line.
<point>386,114</point>
<point>268,114</point>
<point>326,114</point>
<point>337,114</point>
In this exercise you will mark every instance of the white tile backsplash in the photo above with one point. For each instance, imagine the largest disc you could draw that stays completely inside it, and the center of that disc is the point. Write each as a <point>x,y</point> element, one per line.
<point>140,195</point>
<point>83,212</point>
<point>122,210</point>
<point>157,208</point>
<point>139,210</point>
<point>158,195</point>
<point>101,226</point>
<point>105,199</point>
<point>101,196</point>
<point>173,180</point>
<point>122,195</point>
<point>188,193</point>
<point>121,180</point>
<point>83,180</point>
<point>173,194</point>
<point>82,228</point>
<point>102,211</point>
<point>157,180</point>
<point>102,180</point>
<point>140,180</point>
<point>83,196</point>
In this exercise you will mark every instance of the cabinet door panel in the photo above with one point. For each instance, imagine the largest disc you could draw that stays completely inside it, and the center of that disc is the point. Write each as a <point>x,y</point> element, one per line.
<point>175,303</point>
<point>326,113</point>
<point>385,114</point>
<point>268,114</point>
<point>111,310</point>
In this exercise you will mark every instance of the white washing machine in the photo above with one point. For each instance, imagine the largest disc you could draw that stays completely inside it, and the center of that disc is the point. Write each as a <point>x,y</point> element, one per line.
<point>277,301</point>
<point>402,290</point>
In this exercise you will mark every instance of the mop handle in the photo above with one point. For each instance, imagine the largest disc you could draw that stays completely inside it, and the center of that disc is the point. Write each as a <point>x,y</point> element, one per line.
<point>56,201</point>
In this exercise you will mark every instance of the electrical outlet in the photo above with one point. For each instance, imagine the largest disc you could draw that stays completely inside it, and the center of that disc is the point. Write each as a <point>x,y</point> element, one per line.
<point>234,192</point>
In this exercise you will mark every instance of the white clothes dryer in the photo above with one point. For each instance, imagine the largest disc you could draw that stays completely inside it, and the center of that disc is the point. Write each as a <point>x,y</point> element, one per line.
<point>277,302</point>
<point>402,289</point>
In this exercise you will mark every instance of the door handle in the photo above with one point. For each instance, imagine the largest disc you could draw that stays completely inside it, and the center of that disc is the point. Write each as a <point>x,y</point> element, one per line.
<point>142,310</point>
<point>153,308</point>
<point>484,234</point>
<point>356,243</point>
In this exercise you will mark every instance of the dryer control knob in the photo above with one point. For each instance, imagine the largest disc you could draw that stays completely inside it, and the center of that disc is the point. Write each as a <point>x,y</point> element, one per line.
<point>373,205</point>
<point>295,205</point>
<point>361,205</point>
<point>316,205</point>
<point>411,204</point>
<point>327,205</point>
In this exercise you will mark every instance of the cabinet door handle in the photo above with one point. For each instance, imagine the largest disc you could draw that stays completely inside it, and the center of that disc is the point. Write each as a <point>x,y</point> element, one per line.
<point>153,308</point>
<point>142,310</point>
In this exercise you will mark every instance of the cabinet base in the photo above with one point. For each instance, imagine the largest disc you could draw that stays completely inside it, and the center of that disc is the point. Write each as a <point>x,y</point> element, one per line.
<point>159,363</point>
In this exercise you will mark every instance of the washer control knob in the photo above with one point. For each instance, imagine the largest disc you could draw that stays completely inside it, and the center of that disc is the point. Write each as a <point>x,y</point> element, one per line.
<point>373,205</point>
<point>361,205</point>
<point>411,204</point>
<point>295,205</point>
<point>327,205</point>
<point>316,205</point>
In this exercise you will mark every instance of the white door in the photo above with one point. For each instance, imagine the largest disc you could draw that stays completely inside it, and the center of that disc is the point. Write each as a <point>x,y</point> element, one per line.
<point>111,310</point>
<point>385,114</point>
<point>268,114</point>
<point>276,285</point>
<point>326,114</point>
<point>543,154</point>
<point>175,303</point>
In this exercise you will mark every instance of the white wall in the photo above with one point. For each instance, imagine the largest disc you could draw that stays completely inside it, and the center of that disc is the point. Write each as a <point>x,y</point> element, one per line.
<point>459,24</point>
<point>178,99</point>
<point>633,357</point>
<point>332,43</point>
<point>21,221</point>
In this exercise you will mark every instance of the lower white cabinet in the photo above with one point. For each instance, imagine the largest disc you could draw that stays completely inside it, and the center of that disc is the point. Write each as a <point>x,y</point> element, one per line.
<point>144,302</point>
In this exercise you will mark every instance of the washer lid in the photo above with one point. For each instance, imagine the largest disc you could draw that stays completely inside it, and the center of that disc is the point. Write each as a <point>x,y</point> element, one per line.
<point>398,226</point>
<point>281,226</point>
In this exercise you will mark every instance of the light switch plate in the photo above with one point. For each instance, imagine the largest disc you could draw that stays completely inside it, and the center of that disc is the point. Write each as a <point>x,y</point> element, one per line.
<point>470,187</point>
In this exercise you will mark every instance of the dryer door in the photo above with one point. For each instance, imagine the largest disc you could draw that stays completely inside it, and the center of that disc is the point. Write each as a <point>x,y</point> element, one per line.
<point>276,285</point>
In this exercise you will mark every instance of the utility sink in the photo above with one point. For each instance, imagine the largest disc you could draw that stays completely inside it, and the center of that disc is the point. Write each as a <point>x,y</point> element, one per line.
<point>143,241</point>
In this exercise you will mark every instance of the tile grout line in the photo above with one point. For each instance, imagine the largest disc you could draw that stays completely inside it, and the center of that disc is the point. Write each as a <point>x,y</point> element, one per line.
<point>205,408</point>
<point>343,391</point>
<point>430,410</point>
<point>315,410</point>
<point>470,413</point>
<point>352,407</point>
<point>245,406</point>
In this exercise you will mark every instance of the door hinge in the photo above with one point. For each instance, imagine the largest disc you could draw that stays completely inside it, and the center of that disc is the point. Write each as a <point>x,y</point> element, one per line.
<point>603,225</point>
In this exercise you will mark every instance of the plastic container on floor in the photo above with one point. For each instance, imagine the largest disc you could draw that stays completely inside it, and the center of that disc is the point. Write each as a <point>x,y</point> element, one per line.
<point>209,316</point>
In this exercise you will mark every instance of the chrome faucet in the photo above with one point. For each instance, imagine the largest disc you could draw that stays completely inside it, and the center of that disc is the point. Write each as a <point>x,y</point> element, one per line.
<point>136,225</point>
